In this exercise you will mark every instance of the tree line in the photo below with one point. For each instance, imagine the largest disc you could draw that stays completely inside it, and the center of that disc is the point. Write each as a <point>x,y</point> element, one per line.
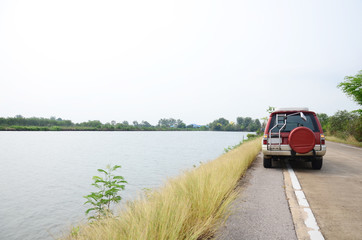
<point>164,124</point>
<point>342,124</point>
<point>246,124</point>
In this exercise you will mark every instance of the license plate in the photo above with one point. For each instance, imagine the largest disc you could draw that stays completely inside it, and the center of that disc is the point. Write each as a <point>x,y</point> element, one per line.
<point>275,140</point>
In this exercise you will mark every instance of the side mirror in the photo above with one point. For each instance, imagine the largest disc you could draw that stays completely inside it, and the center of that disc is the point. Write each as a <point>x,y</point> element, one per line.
<point>303,116</point>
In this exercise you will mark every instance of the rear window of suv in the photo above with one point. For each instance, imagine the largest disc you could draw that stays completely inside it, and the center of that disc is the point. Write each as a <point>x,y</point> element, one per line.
<point>296,121</point>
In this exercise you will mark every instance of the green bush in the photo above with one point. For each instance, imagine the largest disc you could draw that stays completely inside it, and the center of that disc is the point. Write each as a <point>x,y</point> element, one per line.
<point>343,124</point>
<point>250,136</point>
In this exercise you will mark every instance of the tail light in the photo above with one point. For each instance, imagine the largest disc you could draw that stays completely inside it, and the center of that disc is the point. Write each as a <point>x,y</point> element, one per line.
<point>323,139</point>
<point>265,139</point>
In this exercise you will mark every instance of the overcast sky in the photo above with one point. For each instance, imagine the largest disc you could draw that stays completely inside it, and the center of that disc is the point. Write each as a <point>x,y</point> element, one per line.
<point>193,60</point>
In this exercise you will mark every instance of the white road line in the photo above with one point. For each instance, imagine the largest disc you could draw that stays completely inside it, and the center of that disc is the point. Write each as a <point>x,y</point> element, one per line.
<point>294,178</point>
<point>345,145</point>
<point>310,221</point>
<point>351,146</point>
<point>301,198</point>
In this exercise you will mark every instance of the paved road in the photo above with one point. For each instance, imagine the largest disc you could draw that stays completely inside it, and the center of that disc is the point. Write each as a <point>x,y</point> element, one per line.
<point>261,210</point>
<point>334,193</point>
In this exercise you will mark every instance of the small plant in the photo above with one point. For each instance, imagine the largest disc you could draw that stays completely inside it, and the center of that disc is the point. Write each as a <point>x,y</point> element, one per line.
<point>195,166</point>
<point>75,231</point>
<point>109,187</point>
<point>229,148</point>
<point>250,136</point>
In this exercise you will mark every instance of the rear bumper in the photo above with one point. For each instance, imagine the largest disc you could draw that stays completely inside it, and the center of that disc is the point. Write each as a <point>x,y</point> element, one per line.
<point>285,150</point>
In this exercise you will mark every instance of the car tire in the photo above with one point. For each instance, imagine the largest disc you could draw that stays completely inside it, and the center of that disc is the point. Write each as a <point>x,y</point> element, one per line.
<point>317,163</point>
<point>267,163</point>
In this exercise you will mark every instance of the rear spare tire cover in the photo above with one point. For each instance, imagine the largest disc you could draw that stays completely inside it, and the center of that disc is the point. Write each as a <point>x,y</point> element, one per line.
<point>301,140</point>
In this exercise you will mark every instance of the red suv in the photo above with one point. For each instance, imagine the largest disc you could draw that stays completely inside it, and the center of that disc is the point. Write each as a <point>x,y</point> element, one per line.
<point>294,133</point>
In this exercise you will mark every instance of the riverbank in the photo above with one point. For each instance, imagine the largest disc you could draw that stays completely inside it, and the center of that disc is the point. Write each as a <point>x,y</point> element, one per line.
<point>103,129</point>
<point>187,207</point>
<point>20,123</point>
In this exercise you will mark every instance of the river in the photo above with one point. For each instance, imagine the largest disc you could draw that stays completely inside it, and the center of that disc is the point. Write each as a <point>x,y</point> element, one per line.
<point>44,175</point>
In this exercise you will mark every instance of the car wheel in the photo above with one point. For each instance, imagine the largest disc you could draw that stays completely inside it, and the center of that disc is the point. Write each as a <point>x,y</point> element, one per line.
<point>267,162</point>
<point>317,163</point>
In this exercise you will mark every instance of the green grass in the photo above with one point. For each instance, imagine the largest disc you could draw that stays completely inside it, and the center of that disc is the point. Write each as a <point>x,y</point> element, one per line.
<point>348,140</point>
<point>189,206</point>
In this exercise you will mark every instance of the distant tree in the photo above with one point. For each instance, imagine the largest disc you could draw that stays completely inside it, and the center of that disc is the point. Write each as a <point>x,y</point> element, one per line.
<point>229,127</point>
<point>240,121</point>
<point>323,119</point>
<point>223,121</point>
<point>344,123</point>
<point>108,126</point>
<point>257,125</point>
<point>135,123</point>
<point>3,121</point>
<point>352,86</point>
<point>270,109</point>
<point>239,124</point>
<point>164,122</point>
<point>247,124</point>
<point>113,122</point>
<point>94,124</point>
<point>125,123</point>
<point>219,124</point>
<point>145,124</point>
<point>263,125</point>
<point>204,128</point>
<point>338,121</point>
<point>180,123</point>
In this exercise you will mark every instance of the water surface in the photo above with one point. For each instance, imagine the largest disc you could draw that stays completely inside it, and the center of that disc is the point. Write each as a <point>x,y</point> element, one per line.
<point>44,175</point>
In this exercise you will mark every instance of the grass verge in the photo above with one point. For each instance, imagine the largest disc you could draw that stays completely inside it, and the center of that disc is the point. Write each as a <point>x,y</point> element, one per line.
<point>189,206</point>
<point>349,140</point>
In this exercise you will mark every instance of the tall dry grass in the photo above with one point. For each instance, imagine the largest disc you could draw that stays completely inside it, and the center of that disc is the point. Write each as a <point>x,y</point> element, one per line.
<point>187,207</point>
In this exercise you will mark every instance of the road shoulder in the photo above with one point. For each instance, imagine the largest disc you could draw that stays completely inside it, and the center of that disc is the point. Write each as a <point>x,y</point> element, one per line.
<point>261,210</point>
<point>298,214</point>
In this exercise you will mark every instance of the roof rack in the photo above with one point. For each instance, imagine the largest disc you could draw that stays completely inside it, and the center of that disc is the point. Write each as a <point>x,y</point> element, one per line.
<point>292,109</point>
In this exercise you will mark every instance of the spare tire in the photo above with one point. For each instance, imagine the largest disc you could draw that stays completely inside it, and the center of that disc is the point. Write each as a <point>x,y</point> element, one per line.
<point>301,140</point>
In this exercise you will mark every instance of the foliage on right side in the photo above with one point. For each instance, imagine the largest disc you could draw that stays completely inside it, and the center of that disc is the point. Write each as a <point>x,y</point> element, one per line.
<point>352,86</point>
<point>344,124</point>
